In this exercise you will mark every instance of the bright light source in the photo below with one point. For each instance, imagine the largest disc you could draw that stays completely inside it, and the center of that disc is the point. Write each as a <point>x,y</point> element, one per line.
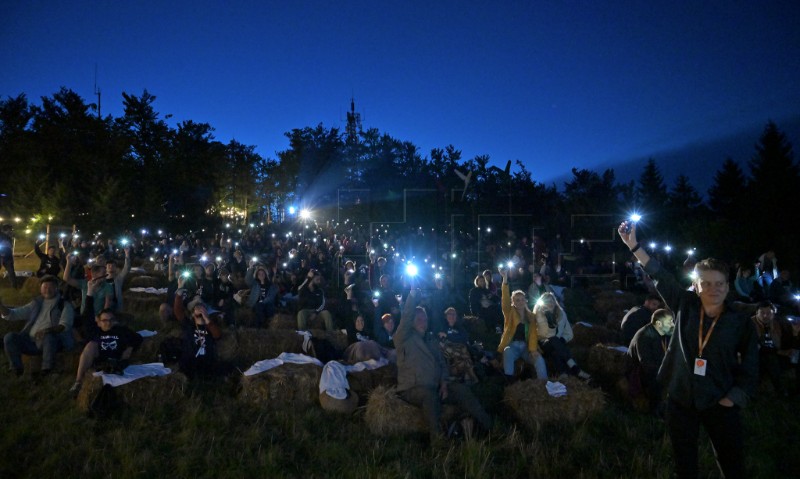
<point>411,269</point>
<point>636,217</point>
<point>693,275</point>
<point>305,214</point>
<point>653,245</point>
<point>219,258</point>
<point>437,276</point>
<point>690,252</point>
<point>292,210</point>
<point>667,248</point>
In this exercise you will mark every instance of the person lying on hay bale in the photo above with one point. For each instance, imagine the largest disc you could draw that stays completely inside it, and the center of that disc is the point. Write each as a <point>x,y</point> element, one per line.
<point>520,334</point>
<point>200,335</point>
<point>109,347</point>
<point>554,333</point>
<point>422,377</point>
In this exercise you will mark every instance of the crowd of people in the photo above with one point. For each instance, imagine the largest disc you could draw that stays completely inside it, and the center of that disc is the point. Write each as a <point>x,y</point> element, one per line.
<point>399,298</point>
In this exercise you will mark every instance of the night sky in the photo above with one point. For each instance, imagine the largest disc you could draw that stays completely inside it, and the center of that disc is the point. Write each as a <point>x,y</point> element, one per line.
<point>552,84</point>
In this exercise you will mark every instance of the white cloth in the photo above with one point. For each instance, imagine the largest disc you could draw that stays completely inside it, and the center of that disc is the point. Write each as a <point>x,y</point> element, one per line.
<point>334,380</point>
<point>134,372</point>
<point>621,349</point>
<point>267,364</point>
<point>149,290</point>
<point>584,323</point>
<point>306,339</point>
<point>334,376</point>
<point>146,333</point>
<point>556,389</point>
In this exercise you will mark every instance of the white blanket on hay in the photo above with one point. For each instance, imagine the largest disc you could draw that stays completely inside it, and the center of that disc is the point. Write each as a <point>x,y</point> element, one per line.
<point>267,364</point>
<point>134,372</point>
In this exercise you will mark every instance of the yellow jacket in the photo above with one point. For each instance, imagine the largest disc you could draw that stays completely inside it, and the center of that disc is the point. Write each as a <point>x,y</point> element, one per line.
<point>510,321</point>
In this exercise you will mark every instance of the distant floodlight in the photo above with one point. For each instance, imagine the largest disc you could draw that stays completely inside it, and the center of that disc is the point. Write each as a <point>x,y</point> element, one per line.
<point>305,214</point>
<point>292,210</point>
<point>653,245</point>
<point>667,248</point>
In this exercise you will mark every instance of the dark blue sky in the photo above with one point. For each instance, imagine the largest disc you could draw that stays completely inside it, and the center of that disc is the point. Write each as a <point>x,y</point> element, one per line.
<point>553,84</point>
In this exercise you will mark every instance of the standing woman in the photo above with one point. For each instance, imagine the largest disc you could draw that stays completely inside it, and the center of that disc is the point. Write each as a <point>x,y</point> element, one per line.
<point>711,366</point>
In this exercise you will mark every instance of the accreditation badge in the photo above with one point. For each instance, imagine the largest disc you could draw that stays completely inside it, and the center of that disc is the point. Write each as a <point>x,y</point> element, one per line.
<point>700,366</point>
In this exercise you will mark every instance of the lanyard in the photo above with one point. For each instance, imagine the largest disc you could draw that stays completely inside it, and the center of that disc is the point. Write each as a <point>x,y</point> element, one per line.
<point>664,343</point>
<point>701,342</point>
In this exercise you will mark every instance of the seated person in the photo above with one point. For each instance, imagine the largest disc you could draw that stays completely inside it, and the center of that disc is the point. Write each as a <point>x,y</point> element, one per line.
<point>769,343</point>
<point>49,264</point>
<point>520,334</point>
<point>554,333</point>
<point>115,278</point>
<point>311,302</point>
<point>263,293</point>
<point>110,347</point>
<point>454,342</point>
<point>200,333</point>
<point>639,316</point>
<point>48,327</point>
<point>385,335</point>
<point>361,347</point>
<point>646,352</point>
<point>103,297</point>
<point>422,378</point>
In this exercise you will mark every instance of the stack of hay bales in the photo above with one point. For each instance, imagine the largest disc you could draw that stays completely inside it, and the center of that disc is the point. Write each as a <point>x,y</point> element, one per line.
<point>363,382</point>
<point>287,385</point>
<point>142,394</point>
<point>534,407</point>
<point>145,281</point>
<point>257,344</point>
<point>587,335</point>
<point>607,363</point>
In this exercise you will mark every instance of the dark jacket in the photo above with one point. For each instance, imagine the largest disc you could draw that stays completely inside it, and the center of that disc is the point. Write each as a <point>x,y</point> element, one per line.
<point>733,335</point>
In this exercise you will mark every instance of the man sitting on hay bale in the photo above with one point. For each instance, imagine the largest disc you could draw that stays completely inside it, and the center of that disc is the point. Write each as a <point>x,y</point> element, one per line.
<point>422,373</point>
<point>110,347</point>
<point>48,327</point>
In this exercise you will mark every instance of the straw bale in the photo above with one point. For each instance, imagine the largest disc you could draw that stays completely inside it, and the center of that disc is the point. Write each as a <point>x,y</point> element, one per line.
<point>606,363</point>
<point>388,415</point>
<point>257,344</point>
<point>64,361</point>
<point>613,301</point>
<point>288,385</point>
<point>363,382</point>
<point>31,286</point>
<point>245,317</point>
<point>475,326</point>
<point>142,394</point>
<point>589,335</point>
<point>336,338</point>
<point>148,350</point>
<point>341,406</point>
<point>142,302</point>
<point>283,321</point>
<point>534,407</point>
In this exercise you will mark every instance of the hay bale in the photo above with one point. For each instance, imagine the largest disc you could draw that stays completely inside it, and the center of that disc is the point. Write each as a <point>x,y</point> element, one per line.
<point>142,394</point>
<point>31,286</point>
<point>587,335</point>
<point>606,363</point>
<point>257,344</point>
<point>65,362</point>
<point>363,382</point>
<point>145,281</point>
<point>288,385</point>
<point>608,301</point>
<point>340,406</point>
<point>138,303</point>
<point>283,321</point>
<point>245,317</point>
<point>336,338</point>
<point>475,326</point>
<point>388,415</point>
<point>534,407</point>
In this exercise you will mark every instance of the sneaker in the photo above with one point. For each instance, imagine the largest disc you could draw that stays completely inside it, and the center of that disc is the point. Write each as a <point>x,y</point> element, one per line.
<point>75,389</point>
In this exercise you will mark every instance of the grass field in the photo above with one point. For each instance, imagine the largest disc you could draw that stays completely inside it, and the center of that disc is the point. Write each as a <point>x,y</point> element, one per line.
<point>212,432</point>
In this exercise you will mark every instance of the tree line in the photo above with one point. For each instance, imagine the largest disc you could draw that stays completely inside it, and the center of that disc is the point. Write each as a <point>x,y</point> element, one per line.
<point>61,159</point>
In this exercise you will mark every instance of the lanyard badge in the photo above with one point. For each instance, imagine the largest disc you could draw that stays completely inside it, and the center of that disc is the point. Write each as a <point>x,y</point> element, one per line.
<point>700,363</point>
